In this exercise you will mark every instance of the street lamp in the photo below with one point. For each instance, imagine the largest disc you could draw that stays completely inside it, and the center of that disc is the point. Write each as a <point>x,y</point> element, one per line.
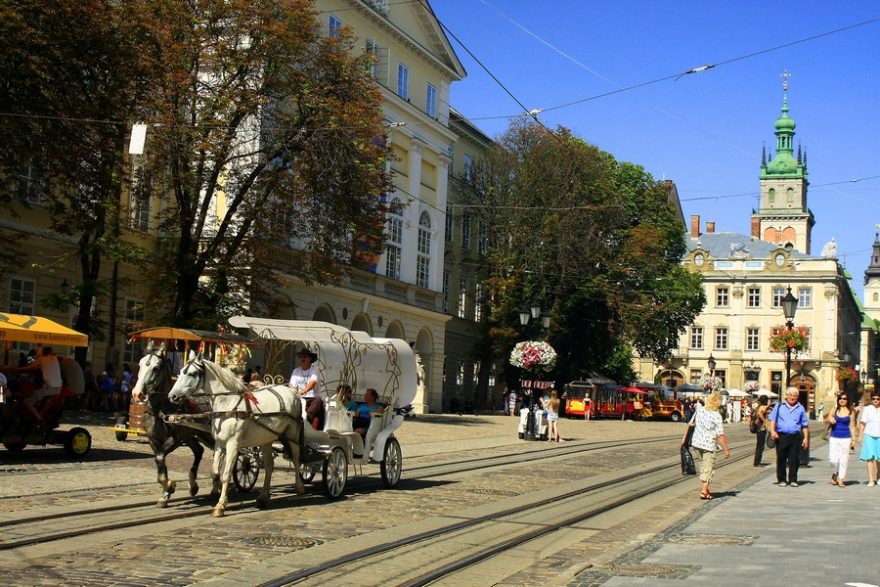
<point>711,362</point>
<point>533,312</point>
<point>789,307</point>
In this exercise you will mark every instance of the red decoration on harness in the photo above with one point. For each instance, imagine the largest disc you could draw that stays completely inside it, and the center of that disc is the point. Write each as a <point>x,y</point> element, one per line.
<point>251,398</point>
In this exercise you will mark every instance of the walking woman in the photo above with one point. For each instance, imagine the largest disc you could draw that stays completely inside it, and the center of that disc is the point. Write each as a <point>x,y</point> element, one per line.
<point>869,436</point>
<point>708,434</point>
<point>843,434</point>
<point>552,407</point>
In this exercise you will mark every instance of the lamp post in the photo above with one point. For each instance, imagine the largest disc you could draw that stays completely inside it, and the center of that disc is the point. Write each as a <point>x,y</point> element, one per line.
<point>789,307</point>
<point>711,363</point>
<point>534,312</point>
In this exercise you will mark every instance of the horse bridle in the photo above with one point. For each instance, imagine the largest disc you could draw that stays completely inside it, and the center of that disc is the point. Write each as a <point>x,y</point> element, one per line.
<point>151,385</point>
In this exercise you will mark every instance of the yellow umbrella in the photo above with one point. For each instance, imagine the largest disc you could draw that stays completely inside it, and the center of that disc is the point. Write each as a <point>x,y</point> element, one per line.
<point>35,329</point>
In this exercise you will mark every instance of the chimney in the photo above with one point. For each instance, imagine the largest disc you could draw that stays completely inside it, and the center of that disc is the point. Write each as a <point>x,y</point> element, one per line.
<point>756,227</point>
<point>695,225</point>
<point>710,227</point>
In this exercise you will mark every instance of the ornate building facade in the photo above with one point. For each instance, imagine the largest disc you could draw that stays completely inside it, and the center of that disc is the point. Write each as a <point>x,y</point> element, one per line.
<point>745,279</point>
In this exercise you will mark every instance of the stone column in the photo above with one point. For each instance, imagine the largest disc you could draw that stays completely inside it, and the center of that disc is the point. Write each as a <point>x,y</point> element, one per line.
<point>411,215</point>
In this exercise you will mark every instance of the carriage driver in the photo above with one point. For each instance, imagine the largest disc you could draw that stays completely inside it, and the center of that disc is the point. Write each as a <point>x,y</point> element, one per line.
<point>304,380</point>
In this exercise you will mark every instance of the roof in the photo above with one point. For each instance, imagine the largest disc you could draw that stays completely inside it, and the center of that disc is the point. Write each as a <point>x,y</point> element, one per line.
<point>726,245</point>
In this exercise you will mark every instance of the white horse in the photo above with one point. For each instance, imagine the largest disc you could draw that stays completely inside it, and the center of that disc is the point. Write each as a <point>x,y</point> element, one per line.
<point>240,418</point>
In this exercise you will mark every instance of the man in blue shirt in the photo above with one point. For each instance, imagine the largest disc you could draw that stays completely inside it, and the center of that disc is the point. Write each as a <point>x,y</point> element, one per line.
<point>790,428</point>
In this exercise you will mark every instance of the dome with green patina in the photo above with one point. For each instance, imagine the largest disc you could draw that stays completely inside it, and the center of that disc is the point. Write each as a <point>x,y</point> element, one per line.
<point>784,122</point>
<point>783,163</point>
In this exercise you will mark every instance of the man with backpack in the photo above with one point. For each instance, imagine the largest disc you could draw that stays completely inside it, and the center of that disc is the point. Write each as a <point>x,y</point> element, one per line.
<point>758,426</point>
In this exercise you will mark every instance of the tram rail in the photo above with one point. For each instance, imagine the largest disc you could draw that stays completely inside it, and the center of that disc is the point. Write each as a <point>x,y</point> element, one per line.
<point>519,526</point>
<point>24,531</point>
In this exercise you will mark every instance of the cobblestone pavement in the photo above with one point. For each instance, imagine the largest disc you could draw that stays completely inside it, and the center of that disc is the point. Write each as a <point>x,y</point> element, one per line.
<point>198,549</point>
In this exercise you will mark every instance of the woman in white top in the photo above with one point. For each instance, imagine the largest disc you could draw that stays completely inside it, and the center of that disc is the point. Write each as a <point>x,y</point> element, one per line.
<point>708,434</point>
<point>304,380</point>
<point>869,436</point>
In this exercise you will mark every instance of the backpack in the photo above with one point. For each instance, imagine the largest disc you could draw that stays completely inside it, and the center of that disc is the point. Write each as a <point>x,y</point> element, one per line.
<point>754,423</point>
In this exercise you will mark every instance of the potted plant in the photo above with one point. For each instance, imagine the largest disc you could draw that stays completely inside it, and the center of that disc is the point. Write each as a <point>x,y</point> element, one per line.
<point>782,339</point>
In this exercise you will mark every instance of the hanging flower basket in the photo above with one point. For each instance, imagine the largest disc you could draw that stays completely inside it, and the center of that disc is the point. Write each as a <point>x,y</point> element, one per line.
<point>846,375</point>
<point>711,383</point>
<point>782,339</point>
<point>233,356</point>
<point>534,355</point>
<point>751,386</point>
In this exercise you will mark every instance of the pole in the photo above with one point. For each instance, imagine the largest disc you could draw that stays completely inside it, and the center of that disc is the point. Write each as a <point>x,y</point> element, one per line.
<point>790,326</point>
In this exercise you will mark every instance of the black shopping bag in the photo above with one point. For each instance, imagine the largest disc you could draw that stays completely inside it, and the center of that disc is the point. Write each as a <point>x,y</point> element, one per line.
<point>688,467</point>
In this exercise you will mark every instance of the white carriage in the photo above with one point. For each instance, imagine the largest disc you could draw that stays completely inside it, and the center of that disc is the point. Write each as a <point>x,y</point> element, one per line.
<point>360,361</point>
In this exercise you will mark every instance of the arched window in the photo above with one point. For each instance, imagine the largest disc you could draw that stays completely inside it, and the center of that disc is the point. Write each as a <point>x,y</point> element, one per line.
<point>771,196</point>
<point>394,242</point>
<point>876,297</point>
<point>423,261</point>
<point>789,196</point>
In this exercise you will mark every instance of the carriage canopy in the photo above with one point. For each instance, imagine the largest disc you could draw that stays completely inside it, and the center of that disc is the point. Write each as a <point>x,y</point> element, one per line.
<point>346,357</point>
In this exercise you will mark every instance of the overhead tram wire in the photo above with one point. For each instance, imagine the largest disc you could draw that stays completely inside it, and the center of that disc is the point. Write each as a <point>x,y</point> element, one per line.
<point>694,70</point>
<point>533,113</point>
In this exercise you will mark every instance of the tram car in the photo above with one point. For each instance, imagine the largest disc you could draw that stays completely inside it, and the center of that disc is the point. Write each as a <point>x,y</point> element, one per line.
<point>622,402</point>
<point>18,428</point>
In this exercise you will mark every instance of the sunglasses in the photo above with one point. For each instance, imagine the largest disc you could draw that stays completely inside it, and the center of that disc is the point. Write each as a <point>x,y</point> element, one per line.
<point>875,399</point>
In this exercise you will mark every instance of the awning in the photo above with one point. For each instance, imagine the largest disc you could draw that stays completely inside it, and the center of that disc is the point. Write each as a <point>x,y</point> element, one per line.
<point>189,334</point>
<point>39,330</point>
<point>633,390</point>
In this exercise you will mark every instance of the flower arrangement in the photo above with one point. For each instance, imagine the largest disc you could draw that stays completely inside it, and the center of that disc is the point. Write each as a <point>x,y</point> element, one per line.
<point>846,375</point>
<point>751,386</point>
<point>533,354</point>
<point>796,339</point>
<point>711,382</point>
<point>234,357</point>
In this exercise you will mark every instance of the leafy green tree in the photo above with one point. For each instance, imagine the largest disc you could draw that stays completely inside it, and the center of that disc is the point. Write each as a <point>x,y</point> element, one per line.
<point>269,138</point>
<point>69,78</point>
<point>593,241</point>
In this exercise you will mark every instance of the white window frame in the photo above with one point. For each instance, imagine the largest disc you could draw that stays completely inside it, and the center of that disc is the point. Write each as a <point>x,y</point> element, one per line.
<point>722,296</point>
<point>805,297</point>
<point>696,337</point>
<point>372,48</point>
<point>394,242</point>
<point>423,251</point>
<point>466,230</point>
<point>462,297</point>
<point>753,339</point>
<point>478,302</point>
<point>754,297</point>
<point>778,294</point>
<point>430,100</point>
<point>722,338</point>
<point>403,81</point>
<point>450,224</point>
<point>446,279</point>
<point>334,23</point>
<point>22,306</point>
<point>467,163</point>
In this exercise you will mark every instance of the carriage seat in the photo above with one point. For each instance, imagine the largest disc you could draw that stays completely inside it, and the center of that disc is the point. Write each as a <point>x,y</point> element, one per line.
<point>337,417</point>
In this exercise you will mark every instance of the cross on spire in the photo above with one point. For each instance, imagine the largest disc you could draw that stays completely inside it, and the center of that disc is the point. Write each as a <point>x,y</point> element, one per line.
<point>785,75</point>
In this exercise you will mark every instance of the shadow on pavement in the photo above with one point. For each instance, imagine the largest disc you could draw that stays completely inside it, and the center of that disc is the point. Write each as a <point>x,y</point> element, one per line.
<point>34,455</point>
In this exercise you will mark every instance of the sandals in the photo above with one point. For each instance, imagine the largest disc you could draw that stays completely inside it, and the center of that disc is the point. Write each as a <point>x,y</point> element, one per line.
<point>834,478</point>
<point>707,496</point>
<point>841,483</point>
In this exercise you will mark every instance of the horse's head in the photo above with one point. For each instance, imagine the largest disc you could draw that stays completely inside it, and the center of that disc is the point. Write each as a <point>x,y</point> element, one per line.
<point>190,379</point>
<point>153,373</point>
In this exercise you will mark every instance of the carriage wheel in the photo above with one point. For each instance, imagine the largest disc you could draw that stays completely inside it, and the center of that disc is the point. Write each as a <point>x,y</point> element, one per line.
<point>78,443</point>
<point>335,473</point>
<point>246,470</point>
<point>307,473</point>
<point>121,422</point>
<point>15,446</point>
<point>675,417</point>
<point>392,465</point>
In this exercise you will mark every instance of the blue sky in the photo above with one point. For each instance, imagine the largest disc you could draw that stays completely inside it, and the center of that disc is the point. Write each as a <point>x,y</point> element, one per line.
<point>705,130</point>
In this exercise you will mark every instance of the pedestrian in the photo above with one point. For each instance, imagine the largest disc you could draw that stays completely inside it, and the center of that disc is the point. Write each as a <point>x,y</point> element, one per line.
<point>106,382</point>
<point>761,435</point>
<point>708,434</point>
<point>512,402</point>
<point>842,438</point>
<point>869,436</point>
<point>91,398</point>
<point>790,428</point>
<point>552,407</point>
<point>50,369</point>
<point>125,381</point>
<point>588,406</point>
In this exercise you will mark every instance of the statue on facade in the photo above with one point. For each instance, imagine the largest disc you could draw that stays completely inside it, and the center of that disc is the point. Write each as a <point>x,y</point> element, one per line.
<point>420,375</point>
<point>829,251</point>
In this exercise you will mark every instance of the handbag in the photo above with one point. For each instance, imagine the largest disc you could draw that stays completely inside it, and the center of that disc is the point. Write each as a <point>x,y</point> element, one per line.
<point>688,467</point>
<point>770,442</point>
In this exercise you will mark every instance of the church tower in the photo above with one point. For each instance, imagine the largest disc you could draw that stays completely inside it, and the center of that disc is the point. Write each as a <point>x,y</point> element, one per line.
<point>872,280</point>
<point>783,217</point>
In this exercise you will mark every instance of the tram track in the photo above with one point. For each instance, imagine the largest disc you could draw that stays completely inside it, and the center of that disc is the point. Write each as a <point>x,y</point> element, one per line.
<point>484,536</point>
<point>60,524</point>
